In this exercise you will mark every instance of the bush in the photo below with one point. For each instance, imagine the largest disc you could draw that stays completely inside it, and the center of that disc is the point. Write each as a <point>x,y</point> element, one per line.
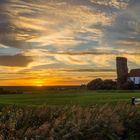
<point>3,91</point>
<point>109,84</point>
<point>129,85</point>
<point>95,84</point>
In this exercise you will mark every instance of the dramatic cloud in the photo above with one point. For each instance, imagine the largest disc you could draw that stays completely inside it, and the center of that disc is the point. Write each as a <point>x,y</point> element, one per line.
<point>125,29</point>
<point>18,60</point>
<point>54,39</point>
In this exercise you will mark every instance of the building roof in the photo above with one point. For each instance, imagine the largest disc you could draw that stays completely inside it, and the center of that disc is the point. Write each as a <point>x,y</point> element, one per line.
<point>134,73</point>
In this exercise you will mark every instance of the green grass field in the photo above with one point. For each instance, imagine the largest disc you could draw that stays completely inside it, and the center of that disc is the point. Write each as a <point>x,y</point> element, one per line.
<point>69,97</point>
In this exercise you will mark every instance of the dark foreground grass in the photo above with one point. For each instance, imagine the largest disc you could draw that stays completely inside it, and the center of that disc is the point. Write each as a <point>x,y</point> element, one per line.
<point>71,97</point>
<point>119,122</point>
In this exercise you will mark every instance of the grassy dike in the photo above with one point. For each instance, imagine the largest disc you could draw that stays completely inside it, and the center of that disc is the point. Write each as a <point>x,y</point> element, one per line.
<point>119,122</point>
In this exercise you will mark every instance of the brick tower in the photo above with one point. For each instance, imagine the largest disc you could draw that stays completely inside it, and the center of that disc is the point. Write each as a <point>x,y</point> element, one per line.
<point>122,71</point>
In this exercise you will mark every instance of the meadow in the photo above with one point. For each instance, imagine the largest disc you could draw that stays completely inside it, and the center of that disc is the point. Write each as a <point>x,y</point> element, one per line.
<point>68,97</point>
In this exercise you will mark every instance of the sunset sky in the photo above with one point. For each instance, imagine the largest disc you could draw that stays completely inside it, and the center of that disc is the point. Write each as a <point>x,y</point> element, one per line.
<point>66,42</point>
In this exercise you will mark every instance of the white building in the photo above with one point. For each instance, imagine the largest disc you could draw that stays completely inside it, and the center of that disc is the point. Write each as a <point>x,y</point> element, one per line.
<point>134,76</point>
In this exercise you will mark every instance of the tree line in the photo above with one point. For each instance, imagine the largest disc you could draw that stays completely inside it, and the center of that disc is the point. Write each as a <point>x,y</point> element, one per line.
<point>109,84</point>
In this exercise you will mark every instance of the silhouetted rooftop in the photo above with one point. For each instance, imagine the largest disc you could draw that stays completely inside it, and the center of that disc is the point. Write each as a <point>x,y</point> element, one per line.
<point>134,73</point>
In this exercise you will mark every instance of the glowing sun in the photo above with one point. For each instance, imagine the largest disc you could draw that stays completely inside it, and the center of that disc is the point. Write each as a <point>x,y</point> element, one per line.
<point>38,83</point>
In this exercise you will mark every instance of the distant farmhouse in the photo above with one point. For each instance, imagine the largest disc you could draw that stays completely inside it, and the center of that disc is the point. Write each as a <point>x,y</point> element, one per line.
<point>134,76</point>
<point>123,76</point>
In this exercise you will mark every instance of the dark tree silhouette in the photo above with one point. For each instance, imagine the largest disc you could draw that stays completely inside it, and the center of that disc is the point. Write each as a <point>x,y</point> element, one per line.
<point>99,84</point>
